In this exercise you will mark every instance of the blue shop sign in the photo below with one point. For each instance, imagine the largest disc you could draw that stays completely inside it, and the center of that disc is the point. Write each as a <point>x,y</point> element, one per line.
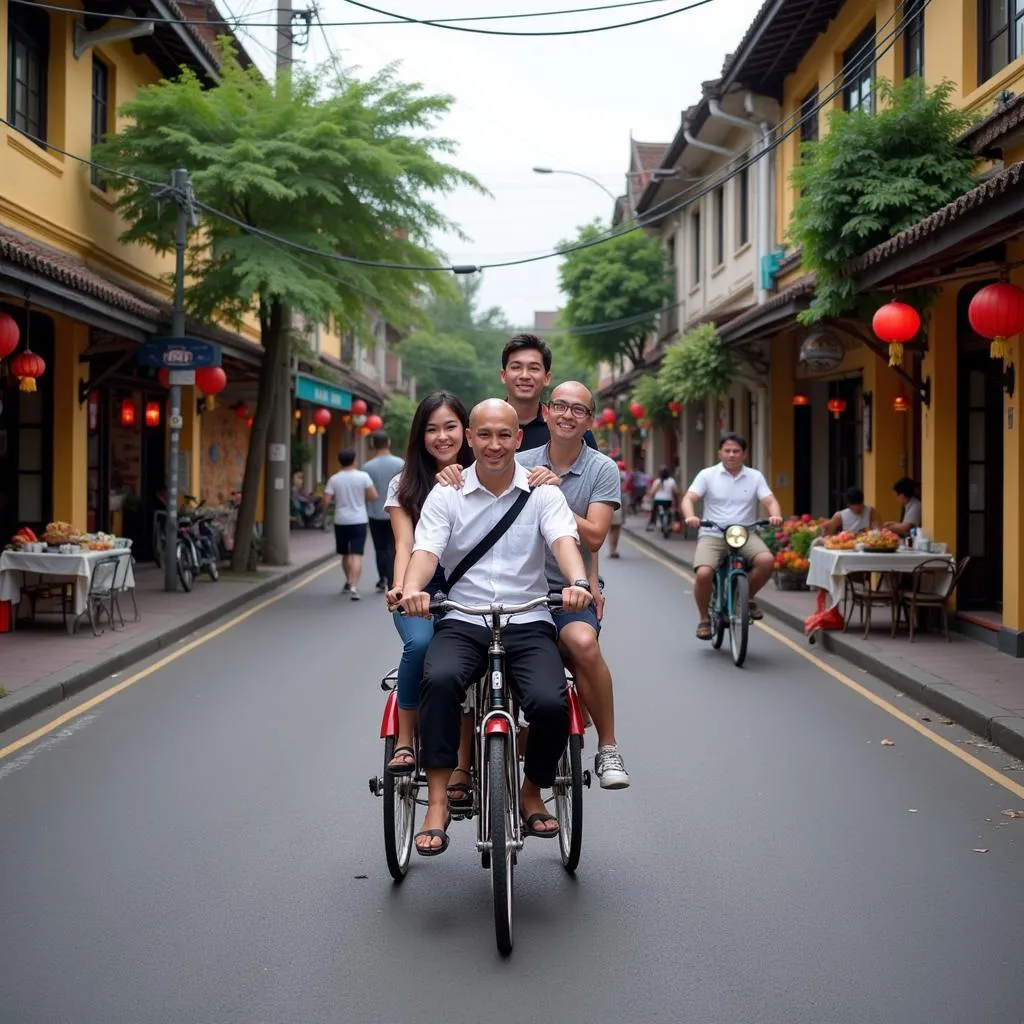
<point>310,389</point>
<point>178,354</point>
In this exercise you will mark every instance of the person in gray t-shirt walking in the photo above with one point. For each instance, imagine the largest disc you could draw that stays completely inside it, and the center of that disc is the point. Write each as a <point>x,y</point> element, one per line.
<point>383,468</point>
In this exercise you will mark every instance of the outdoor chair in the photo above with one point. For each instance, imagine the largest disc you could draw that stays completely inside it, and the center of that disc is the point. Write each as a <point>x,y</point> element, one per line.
<point>61,593</point>
<point>932,585</point>
<point>862,595</point>
<point>123,587</point>
<point>102,598</point>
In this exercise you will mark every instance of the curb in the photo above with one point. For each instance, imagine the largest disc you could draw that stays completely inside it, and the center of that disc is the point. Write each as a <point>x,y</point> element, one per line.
<point>30,700</point>
<point>996,724</point>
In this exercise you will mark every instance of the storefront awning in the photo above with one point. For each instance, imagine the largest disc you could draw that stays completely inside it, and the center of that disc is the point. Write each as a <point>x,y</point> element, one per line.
<point>770,315</point>
<point>320,392</point>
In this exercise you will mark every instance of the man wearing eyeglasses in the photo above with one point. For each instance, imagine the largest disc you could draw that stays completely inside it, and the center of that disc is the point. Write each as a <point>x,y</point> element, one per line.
<point>591,485</point>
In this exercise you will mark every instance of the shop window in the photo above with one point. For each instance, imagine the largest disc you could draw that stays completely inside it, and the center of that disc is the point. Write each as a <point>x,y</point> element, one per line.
<point>1002,34</point>
<point>100,110</point>
<point>718,207</point>
<point>28,53</point>
<point>809,117</point>
<point>696,241</point>
<point>743,207</point>
<point>913,39</point>
<point>859,72</point>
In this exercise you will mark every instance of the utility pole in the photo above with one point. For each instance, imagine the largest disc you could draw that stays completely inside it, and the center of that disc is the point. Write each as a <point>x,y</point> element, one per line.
<point>181,192</point>
<point>277,490</point>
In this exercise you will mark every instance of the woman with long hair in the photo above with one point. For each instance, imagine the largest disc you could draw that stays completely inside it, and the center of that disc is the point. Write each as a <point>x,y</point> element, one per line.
<point>437,439</point>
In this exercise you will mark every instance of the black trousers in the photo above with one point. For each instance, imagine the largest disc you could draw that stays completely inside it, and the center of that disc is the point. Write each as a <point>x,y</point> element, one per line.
<point>457,657</point>
<point>384,548</point>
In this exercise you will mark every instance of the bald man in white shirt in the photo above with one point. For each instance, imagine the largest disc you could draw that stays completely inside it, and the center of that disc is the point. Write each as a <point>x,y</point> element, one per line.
<point>451,524</point>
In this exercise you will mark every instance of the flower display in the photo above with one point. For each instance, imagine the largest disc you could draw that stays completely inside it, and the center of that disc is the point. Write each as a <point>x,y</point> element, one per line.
<point>789,561</point>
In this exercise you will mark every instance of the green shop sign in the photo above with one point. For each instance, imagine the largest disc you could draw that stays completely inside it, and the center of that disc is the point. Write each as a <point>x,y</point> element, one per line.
<point>309,389</point>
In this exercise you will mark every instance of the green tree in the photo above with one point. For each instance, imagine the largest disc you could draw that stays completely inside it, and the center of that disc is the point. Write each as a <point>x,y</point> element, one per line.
<point>871,177</point>
<point>696,367</point>
<point>399,410</point>
<point>623,281</point>
<point>650,391</point>
<point>569,362</point>
<point>337,165</point>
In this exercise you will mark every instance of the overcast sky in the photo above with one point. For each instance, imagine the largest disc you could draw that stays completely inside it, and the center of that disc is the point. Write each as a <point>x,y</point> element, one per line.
<point>569,102</point>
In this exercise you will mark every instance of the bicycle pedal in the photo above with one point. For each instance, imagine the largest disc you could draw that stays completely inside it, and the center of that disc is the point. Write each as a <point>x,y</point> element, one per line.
<point>376,786</point>
<point>586,778</point>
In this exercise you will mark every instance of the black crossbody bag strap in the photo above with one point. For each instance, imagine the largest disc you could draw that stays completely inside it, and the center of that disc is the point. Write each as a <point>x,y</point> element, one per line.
<point>488,542</point>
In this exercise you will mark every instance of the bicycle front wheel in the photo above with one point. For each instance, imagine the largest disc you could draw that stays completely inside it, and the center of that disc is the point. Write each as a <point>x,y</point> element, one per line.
<point>501,808</point>
<point>739,619</point>
<point>717,614</point>
<point>399,815</point>
<point>185,570</point>
<point>569,803</point>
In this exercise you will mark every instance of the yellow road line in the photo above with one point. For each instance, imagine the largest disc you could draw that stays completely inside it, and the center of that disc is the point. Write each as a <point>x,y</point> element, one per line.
<point>68,716</point>
<point>951,748</point>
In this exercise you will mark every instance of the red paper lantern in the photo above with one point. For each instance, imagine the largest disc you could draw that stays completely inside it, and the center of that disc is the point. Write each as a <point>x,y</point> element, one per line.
<point>608,417</point>
<point>896,323</point>
<point>799,399</point>
<point>901,404</point>
<point>248,423</point>
<point>358,407</point>
<point>27,366</point>
<point>127,412</point>
<point>164,376</point>
<point>322,417</point>
<point>837,406</point>
<point>242,411</point>
<point>636,410</point>
<point>997,312</point>
<point>9,335</point>
<point>675,408</point>
<point>621,464</point>
<point>211,380</point>
<point>152,414</point>
<point>374,423</point>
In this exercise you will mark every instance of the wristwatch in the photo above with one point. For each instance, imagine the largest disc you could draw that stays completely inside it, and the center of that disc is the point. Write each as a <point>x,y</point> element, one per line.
<point>582,584</point>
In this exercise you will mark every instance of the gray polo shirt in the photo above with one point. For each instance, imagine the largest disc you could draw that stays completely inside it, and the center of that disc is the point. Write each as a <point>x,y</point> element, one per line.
<point>382,469</point>
<point>592,477</point>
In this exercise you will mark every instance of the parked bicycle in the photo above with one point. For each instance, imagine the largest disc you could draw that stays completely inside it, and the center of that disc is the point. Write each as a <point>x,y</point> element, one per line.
<point>730,591</point>
<point>495,774</point>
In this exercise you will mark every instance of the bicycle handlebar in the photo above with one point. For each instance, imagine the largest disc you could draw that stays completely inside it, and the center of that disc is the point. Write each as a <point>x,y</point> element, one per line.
<point>439,605</point>
<point>751,526</point>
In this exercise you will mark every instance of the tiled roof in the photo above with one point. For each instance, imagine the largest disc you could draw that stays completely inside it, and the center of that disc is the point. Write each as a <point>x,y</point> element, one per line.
<point>1009,180</point>
<point>649,154</point>
<point>70,271</point>
<point>197,11</point>
<point>1005,118</point>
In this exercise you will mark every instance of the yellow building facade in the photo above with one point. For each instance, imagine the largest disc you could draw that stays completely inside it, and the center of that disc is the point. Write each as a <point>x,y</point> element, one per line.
<point>948,421</point>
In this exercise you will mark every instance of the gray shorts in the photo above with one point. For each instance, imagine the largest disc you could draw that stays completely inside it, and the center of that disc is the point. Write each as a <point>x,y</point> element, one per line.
<point>710,550</point>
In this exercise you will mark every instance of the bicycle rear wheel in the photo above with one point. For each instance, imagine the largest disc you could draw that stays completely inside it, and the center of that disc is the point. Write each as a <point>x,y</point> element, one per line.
<point>186,572</point>
<point>400,793</point>
<point>739,620</point>
<point>569,803</point>
<point>501,805</point>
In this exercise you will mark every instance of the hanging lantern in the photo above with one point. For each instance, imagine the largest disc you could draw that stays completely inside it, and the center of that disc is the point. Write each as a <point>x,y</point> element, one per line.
<point>322,417</point>
<point>152,414</point>
<point>901,404</point>
<point>799,399</point>
<point>608,417</point>
<point>997,312</point>
<point>127,412</point>
<point>363,431</point>
<point>374,423</point>
<point>896,323</point>
<point>623,428</point>
<point>9,335</point>
<point>359,407</point>
<point>636,410</point>
<point>27,366</point>
<point>248,423</point>
<point>242,411</point>
<point>164,376</point>
<point>358,421</point>
<point>837,406</point>
<point>675,408</point>
<point>298,414</point>
<point>311,429</point>
<point>211,380</point>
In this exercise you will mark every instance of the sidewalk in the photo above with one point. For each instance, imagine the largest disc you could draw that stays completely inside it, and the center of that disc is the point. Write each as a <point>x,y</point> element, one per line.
<point>41,665</point>
<point>966,680</point>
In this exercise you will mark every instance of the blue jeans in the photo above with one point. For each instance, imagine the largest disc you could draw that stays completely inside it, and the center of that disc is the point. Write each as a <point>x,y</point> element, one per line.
<point>416,634</point>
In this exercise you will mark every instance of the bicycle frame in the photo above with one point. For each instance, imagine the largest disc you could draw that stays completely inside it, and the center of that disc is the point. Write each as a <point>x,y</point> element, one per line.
<point>733,564</point>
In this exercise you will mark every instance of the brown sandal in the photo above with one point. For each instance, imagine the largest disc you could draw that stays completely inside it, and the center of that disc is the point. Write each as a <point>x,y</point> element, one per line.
<point>704,631</point>
<point>460,794</point>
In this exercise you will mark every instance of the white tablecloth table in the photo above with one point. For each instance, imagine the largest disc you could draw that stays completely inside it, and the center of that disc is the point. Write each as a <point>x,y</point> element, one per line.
<point>829,569</point>
<point>75,569</point>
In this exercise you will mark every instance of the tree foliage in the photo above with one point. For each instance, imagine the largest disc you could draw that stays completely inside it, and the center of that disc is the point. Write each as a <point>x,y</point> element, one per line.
<point>650,391</point>
<point>622,280</point>
<point>337,165</point>
<point>696,367</point>
<point>398,415</point>
<point>872,176</point>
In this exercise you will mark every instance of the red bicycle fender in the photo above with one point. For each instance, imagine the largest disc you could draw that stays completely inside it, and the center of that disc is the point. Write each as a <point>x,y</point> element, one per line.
<point>496,725</point>
<point>389,723</point>
<point>576,726</point>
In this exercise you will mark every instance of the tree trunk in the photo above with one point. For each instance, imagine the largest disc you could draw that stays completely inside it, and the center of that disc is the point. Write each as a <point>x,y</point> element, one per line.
<point>273,336</point>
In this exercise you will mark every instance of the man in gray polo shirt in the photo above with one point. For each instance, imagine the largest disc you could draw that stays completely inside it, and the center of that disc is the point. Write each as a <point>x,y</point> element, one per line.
<point>590,483</point>
<point>382,468</point>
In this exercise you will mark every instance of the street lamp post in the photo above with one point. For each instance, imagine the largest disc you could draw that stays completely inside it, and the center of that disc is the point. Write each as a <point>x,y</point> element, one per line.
<point>576,174</point>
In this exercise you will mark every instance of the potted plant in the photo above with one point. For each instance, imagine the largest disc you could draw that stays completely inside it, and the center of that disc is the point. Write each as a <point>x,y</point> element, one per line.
<point>791,546</point>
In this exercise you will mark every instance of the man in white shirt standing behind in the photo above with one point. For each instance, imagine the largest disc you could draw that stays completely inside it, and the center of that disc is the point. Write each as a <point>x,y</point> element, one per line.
<point>730,492</point>
<point>352,489</point>
<point>452,523</point>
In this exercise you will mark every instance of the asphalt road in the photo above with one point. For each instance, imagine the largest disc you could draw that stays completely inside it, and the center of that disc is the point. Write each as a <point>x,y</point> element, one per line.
<point>202,847</point>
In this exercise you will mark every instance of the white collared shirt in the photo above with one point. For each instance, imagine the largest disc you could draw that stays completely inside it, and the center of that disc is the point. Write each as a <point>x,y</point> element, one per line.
<point>453,521</point>
<point>728,499</point>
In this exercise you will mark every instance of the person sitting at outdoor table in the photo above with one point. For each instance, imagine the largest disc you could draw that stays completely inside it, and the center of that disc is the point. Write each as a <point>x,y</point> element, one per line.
<point>855,518</point>
<point>906,494</point>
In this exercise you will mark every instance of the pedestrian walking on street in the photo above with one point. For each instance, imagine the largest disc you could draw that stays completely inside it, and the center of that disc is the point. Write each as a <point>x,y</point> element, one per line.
<point>352,489</point>
<point>382,469</point>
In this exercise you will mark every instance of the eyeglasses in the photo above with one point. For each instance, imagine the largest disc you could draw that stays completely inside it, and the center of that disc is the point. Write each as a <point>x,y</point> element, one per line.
<point>579,411</point>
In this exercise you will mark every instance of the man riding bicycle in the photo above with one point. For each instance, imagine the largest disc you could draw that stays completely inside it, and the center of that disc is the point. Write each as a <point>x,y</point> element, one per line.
<point>730,492</point>
<point>452,523</point>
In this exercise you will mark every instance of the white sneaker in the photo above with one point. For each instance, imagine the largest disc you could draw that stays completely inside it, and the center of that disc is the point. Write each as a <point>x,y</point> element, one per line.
<point>347,589</point>
<point>354,594</point>
<point>611,769</point>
